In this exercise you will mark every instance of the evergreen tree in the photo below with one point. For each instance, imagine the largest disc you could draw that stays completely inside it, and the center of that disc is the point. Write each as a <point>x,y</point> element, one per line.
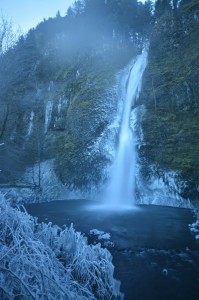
<point>162,7</point>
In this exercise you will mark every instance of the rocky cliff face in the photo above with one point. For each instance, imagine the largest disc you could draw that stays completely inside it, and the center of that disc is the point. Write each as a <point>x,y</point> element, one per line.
<point>58,111</point>
<point>171,97</point>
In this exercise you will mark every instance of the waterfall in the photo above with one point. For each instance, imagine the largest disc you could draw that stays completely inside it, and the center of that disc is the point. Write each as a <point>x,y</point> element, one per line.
<point>30,125</point>
<point>121,188</point>
<point>48,112</point>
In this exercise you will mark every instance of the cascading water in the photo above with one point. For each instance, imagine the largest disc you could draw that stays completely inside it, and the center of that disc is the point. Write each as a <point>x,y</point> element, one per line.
<point>121,188</point>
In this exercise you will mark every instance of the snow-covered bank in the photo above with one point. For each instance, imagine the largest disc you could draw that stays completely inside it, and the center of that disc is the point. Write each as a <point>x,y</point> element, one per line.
<point>194,227</point>
<point>160,189</point>
<point>45,186</point>
<point>41,260</point>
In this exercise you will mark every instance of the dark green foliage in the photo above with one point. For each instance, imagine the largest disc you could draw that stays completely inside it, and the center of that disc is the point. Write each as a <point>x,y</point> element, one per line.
<point>172,142</point>
<point>75,166</point>
<point>18,67</point>
<point>162,7</point>
<point>171,94</point>
<point>84,122</point>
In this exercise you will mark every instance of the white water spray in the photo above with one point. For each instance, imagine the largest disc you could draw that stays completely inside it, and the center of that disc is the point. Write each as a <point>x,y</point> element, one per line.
<point>121,188</point>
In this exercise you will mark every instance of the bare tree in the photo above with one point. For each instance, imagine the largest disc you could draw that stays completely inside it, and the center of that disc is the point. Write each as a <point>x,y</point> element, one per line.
<point>8,36</point>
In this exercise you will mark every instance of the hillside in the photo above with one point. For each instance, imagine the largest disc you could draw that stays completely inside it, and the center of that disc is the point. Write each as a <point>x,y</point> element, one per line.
<point>54,82</point>
<point>58,87</point>
<point>171,96</point>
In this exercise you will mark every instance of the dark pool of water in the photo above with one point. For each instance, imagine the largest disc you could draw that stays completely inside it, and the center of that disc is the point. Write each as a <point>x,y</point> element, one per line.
<point>155,255</point>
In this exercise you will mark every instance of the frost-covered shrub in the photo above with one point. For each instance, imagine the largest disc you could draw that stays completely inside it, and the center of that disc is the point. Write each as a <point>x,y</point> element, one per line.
<point>41,261</point>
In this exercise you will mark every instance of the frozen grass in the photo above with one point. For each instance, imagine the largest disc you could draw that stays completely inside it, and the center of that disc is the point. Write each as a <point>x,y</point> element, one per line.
<point>41,261</point>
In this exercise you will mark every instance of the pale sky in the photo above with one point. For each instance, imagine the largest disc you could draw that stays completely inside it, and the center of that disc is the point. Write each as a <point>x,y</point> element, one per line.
<point>28,13</point>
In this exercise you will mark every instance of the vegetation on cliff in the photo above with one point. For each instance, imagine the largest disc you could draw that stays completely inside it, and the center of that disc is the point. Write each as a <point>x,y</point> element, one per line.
<point>171,93</point>
<point>54,82</point>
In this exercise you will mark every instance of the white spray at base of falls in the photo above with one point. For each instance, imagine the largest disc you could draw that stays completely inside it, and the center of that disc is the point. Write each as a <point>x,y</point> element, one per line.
<point>121,188</point>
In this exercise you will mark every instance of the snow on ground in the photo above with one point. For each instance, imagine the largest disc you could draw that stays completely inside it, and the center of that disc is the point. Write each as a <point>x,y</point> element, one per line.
<point>101,234</point>
<point>194,227</point>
